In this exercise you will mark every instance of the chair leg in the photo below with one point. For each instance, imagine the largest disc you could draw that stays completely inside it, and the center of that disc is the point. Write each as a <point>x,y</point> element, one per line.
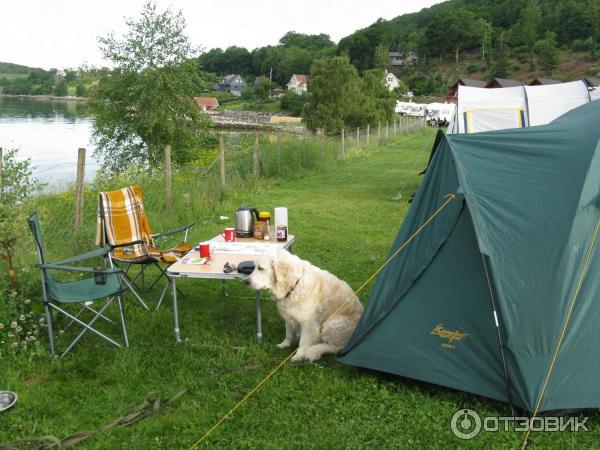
<point>86,327</point>
<point>162,296</point>
<point>50,323</point>
<point>122,313</point>
<point>133,291</point>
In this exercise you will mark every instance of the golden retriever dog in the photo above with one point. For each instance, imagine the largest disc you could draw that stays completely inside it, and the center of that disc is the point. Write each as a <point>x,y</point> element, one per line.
<point>319,309</point>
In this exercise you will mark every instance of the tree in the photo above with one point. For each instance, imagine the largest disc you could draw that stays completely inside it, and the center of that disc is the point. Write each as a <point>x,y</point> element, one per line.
<point>381,58</point>
<point>60,90</point>
<point>147,101</point>
<point>292,103</point>
<point>527,30</point>
<point>379,100</point>
<point>334,95</point>
<point>547,52</point>
<point>453,31</point>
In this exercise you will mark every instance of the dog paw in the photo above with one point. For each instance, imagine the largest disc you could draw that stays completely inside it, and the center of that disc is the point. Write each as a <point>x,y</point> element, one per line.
<point>284,344</point>
<point>299,356</point>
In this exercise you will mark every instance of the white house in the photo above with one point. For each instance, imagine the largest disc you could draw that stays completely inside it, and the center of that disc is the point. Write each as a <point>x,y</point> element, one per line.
<point>298,84</point>
<point>390,80</point>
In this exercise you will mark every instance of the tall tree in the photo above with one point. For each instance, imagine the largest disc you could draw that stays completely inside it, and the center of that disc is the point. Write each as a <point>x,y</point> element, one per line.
<point>147,102</point>
<point>381,58</point>
<point>547,53</point>
<point>334,95</point>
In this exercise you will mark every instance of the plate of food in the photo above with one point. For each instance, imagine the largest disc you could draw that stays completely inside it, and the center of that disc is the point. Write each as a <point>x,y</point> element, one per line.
<point>7,400</point>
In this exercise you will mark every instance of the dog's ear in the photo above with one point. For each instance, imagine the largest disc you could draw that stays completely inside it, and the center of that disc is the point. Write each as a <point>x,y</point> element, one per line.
<point>284,273</point>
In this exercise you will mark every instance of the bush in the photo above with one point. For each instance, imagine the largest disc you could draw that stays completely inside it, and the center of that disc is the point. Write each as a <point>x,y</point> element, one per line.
<point>583,45</point>
<point>292,103</point>
<point>472,68</point>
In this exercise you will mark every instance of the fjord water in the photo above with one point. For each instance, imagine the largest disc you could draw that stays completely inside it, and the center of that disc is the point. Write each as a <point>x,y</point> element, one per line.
<point>49,132</point>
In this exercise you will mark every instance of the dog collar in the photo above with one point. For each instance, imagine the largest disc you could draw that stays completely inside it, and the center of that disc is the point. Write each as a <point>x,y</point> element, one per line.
<point>293,287</point>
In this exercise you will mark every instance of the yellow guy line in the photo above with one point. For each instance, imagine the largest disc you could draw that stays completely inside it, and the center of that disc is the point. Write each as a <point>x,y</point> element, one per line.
<point>450,197</point>
<point>562,334</point>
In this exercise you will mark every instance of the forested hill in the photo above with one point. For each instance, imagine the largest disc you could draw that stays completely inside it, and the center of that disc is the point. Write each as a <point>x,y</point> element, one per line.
<point>449,28</point>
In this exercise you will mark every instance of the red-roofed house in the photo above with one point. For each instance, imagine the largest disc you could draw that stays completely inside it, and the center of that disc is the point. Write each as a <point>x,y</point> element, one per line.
<point>298,84</point>
<point>207,103</point>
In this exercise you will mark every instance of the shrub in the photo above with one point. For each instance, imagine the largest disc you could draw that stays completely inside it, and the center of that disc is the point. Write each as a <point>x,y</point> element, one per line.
<point>472,68</point>
<point>292,103</point>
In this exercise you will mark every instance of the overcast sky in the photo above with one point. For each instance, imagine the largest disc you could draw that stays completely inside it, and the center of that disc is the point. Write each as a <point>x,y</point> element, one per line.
<point>63,33</point>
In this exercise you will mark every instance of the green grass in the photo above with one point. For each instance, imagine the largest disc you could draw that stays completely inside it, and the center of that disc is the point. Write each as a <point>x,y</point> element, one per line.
<point>345,219</point>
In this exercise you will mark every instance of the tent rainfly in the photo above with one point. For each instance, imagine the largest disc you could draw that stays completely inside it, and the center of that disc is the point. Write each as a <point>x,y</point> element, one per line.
<point>481,298</point>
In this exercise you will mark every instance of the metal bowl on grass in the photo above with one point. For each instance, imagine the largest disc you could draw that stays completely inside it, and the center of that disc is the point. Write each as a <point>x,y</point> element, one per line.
<point>7,400</point>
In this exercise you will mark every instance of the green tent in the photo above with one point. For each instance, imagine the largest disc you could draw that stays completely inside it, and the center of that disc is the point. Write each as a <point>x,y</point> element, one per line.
<point>479,299</point>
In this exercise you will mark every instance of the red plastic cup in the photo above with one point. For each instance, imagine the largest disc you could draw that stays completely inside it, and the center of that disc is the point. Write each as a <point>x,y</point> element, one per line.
<point>229,234</point>
<point>204,250</point>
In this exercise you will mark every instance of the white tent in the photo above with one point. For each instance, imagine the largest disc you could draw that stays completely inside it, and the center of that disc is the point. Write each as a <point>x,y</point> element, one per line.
<point>480,109</point>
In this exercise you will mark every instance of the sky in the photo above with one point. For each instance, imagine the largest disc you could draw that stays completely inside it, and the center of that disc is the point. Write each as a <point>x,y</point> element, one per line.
<point>63,33</point>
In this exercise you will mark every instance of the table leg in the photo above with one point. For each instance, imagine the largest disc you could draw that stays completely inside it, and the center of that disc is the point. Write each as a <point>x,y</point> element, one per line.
<point>258,320</point>
<point>175,312</point>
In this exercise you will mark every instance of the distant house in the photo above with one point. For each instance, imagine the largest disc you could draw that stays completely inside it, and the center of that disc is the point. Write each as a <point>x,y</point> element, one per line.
<point>207,103</point>
<point>502,83</point>
<point>234,84</point>
<point>298,84</point>
<point>453,91</point>
<point>543,82</point>
<point>592,82</point>
<point>398,60</point>
<point>277,93</point>
<point>390,80</point>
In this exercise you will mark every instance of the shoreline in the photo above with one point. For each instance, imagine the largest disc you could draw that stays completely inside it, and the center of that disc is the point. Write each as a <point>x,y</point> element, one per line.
<point>67,98</point>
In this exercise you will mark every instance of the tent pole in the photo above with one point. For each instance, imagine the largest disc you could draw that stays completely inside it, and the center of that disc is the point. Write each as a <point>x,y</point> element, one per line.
<point>489,283</point>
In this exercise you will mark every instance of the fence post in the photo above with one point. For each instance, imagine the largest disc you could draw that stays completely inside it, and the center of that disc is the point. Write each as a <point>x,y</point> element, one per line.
<point>1,173</point>
<point>343,149</point>
<point>168,178</point>
<point>368,133</point>
<point>222,159</point>
<point>79,188</point>
<point>255,158</point>
<point>395,118</point>
<point>357,137</point>
<point>278,150</point>
<point>379,134</point>
<point>322,132</point>
<point>387,131</point>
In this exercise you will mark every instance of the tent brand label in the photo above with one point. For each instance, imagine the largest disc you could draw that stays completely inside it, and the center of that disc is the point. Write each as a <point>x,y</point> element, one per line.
<point>450,336</point>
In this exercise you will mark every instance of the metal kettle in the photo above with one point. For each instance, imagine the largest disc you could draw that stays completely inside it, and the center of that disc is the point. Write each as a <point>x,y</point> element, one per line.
<point>244,221</point>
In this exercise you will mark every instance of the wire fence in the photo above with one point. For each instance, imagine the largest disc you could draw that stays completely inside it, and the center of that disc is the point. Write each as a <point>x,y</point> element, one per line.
<point>197,187</point>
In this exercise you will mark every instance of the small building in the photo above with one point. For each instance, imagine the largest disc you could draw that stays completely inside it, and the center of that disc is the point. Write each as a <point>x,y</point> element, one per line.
<point>453,91</point>
<point>502,83</point>
<point>592,82</point>
<point>234,84</point>
<point>277,93</point>
<point>207,103</point>
<point>398,60</point>
<point>298,84</point>
<point>390,80</point>
<point>543,82</point>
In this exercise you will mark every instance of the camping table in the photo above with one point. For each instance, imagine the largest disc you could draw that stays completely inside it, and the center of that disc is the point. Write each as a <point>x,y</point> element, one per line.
<point>214,270</point>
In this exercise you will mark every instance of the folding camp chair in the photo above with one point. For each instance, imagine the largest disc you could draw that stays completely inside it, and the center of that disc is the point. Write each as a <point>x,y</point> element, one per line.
<point>105,284</point>
<point>123,225</point>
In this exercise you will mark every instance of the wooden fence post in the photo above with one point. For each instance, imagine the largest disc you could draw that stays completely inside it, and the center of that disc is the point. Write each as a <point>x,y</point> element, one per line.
<point>79,188</point>
<point>222,159</point>
<point>379,134</point>
<point>255,157</point>
<point>322,137</point>
<point>168,178</point>
<point>368,134</point>
<point>357,137</point>
<point>343,149</point>
<point>387,131</point>
<point>278,150</point>
<point>395,119</point>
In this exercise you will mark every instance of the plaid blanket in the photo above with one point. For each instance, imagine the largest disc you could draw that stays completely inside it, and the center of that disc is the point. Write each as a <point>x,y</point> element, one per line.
<point>121,219</point>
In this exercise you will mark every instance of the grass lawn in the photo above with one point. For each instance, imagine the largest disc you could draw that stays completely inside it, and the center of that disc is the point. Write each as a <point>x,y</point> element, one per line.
<point>345,219</point>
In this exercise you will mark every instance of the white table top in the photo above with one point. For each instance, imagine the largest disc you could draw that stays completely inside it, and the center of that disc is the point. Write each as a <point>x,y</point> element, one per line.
<point>243,249</point>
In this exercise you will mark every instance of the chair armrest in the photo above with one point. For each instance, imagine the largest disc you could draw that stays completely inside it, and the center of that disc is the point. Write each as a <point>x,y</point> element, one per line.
<point>89,255</point>
<point>173,231</point>
<point>127,244</point>
<point>78,269</point>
